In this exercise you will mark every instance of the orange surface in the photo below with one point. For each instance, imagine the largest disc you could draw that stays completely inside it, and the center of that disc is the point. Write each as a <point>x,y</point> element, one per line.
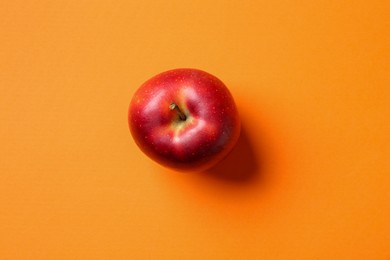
<point>310,176</point>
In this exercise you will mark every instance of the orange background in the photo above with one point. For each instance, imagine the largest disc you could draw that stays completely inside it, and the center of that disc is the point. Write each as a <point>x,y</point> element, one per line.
<point>309,179</point>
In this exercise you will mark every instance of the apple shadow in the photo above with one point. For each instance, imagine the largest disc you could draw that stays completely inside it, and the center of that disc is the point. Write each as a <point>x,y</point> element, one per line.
<point>240,166</point>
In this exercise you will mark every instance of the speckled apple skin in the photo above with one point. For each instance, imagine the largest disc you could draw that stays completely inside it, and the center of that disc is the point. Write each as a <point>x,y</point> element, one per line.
<point>211,128</point>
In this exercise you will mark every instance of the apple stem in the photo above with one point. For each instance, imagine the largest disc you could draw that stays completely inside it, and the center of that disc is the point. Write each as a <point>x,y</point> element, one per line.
<point>182,116</point>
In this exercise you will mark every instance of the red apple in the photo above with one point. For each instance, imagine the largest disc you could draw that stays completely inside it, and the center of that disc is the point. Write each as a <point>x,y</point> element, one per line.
<point>184,119</point>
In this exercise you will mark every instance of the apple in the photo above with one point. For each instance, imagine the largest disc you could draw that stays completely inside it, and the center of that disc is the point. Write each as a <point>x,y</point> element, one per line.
<point>185,119</point>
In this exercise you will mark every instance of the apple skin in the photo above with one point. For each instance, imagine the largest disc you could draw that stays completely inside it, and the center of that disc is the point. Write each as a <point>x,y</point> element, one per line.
<point>209,132</point>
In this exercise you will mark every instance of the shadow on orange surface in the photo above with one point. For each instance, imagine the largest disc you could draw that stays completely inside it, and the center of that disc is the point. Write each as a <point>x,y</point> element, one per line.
<point>240,166</point>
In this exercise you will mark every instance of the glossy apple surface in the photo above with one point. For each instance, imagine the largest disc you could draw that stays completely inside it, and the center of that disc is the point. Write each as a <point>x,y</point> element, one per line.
<point>184,119</point>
